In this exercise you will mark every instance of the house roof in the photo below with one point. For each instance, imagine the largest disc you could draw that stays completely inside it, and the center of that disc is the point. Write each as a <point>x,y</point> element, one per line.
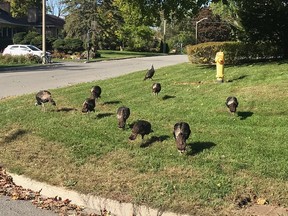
<point>6,18</point>
<point>51,20</point>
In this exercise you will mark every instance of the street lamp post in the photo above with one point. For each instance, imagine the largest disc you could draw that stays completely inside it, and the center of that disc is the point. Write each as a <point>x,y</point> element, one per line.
<point>44,31</point>
<point>196,32</point>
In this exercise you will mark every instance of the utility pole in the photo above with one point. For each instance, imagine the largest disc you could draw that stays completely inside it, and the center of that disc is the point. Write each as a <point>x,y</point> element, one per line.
<point>164,35</point>
<point>44,31</point>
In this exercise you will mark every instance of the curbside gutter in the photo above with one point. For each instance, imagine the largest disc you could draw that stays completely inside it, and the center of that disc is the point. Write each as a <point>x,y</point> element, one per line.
<point>92,204</point>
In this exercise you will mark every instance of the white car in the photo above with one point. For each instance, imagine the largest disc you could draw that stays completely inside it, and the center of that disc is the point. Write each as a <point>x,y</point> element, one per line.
<point>19,49</point>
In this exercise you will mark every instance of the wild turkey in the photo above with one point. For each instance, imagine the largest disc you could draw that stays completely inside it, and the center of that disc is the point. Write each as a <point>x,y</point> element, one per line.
<point>141,127</point>
<point>150,73</point>
<point>123,114</point>
<point>43,97</point>
<point>96,91</point>
<point>232,104</point>
<point>181,134</point>
<point>156,88</point>
<point>89,104</point>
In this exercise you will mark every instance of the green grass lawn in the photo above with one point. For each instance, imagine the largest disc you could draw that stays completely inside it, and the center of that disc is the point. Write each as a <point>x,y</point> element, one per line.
<point>229,159</point>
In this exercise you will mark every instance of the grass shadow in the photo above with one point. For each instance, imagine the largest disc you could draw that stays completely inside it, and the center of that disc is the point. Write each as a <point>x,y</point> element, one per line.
<point>244,115</point>
<point>153,139</point>
<point>238,78</point>
<point>103,115</point>
<point>111,102</point>
<point>13,135</point>
<point>66,109</point>
<point>166,97</point>
<point>197,147</point>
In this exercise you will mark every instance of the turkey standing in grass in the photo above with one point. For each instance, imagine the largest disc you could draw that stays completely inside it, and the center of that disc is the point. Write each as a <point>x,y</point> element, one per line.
<point>150,73</point>
<point>43,97</point>
<point>96,90</point>
<point>232,104</point>
<point>123,114</point>
<point>181,134</point>
<point>90,103</point>
<point>156,88</point>
<point>141,127</point>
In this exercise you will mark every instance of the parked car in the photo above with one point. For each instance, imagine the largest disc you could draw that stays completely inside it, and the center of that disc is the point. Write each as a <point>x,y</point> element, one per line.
<point>20,49</point>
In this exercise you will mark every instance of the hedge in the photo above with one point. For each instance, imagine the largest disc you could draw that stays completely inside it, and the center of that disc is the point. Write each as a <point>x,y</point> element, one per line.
<point>234,52</point>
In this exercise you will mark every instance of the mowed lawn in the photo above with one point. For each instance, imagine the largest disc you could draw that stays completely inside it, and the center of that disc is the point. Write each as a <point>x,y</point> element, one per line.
<point>230,161</point>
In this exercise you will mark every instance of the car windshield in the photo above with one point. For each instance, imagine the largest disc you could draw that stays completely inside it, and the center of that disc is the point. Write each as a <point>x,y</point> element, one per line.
<point>34,48</point>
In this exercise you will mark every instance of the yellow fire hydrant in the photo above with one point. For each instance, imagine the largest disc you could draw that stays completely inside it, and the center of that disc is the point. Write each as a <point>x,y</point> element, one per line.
<point>219,59</point>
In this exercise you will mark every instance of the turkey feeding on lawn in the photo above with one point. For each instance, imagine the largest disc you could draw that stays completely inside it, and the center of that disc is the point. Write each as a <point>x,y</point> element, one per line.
<point>141,127</point>
<point>123,114</point>
<point>96,90</point>
<point>43,97</point>
<point>156,88</point>
<point>232,104</point>
<point>150,73</point>
<point>181,133</point>
<point>90,103</point>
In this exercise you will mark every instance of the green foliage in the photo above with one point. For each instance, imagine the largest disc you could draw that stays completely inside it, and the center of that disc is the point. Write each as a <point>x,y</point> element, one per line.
<point>19,8</point>
<point>172,9</point>
<point>22,59</point>
<point>257,21</point>
<point>32,37</point>
<point>235,52</point>
<point>59,45</point>
<point>19,37</point>
<point>68,45</point>
<point>265,21</point>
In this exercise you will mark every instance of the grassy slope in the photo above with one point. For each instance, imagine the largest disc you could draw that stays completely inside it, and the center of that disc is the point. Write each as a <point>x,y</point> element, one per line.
<point>229,157</point>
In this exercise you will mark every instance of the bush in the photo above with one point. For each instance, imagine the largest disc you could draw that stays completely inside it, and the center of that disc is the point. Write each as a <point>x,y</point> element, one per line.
<point>68,45</point>
<point>19,37</point>
<point>234,52</point>
<point>21,59</point>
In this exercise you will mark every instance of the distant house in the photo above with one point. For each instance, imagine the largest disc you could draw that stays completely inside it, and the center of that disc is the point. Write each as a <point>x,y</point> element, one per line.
<point>33,21</point>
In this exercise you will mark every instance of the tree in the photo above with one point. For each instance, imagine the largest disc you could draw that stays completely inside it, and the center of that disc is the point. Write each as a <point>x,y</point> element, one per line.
<point>258,20</point>
<point>171,9</point>
<point>55,7</point>
<point>265,21</point>
<point>19,8</point>
<point>96,20</point>
<point>134,33</point>
<point>212,29</point>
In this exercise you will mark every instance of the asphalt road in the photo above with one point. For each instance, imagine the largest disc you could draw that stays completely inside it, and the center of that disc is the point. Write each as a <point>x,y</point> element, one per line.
<point>28,80</point>
<point>17,81</point>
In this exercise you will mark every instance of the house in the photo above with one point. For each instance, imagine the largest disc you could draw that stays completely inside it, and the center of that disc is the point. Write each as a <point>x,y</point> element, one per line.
<point>33,21</point>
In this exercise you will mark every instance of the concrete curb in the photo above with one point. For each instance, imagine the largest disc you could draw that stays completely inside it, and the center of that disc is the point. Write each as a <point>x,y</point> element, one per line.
<point>91,203</point>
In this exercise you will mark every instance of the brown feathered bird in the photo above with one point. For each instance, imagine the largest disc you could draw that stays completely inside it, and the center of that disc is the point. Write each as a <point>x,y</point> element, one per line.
<point>43,97</point>
<point>232,104</point>
<point>141,127</point>
<point>181,133</point>
<point>123,114</point>
<point>150,73</point>
<point>90,103</point>
<point>96,90</point>
<point>156,88</point>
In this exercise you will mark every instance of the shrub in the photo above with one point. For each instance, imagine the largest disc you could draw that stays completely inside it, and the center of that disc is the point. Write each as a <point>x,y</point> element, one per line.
<point>21,59</point>
<point>235,52</point>
<point>19,37</point>
<point>68,45</point>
